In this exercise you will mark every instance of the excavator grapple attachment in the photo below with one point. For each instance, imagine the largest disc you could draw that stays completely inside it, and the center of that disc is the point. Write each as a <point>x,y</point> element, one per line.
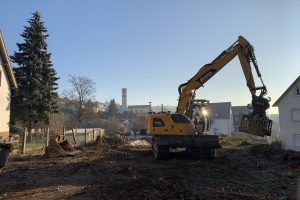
<point>256,125</point>
<point>257,122</point>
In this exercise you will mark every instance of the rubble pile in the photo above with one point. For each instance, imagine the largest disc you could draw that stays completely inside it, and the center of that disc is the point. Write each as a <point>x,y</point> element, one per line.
<point>120,169</point>
<point>139,143</point>
<point>109,142</point>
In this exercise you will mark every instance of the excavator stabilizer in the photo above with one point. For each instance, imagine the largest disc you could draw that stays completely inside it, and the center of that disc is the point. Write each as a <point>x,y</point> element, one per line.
<point>256,125</point>
<point>59,147</point>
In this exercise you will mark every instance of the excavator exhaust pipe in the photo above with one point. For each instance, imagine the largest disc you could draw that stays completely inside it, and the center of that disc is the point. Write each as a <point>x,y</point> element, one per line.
<point>256,125</point>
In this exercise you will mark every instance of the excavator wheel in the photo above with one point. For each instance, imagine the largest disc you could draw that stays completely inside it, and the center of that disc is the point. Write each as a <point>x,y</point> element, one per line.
<point>159,152</point>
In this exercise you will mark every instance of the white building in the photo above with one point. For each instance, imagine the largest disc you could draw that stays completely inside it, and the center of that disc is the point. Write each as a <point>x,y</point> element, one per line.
<point>237,114</point>
<point>289,116</point>
<point>7,84</point>
<point>139,110</point>
<point>220,116</point>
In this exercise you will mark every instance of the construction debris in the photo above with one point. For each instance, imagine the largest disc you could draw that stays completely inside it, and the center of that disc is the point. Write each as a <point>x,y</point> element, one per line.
<point>110,142</point>
<point>60,147</point>
<point>8,146</point>
<point>5,149</point>
<point>247,171</point>
<point>138,143</point>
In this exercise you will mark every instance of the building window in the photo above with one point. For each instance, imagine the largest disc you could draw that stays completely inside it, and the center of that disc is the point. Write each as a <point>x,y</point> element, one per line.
<point>158,122</point>
<point>296,139</point>
<point>295,115</point>
<point>297,91</point>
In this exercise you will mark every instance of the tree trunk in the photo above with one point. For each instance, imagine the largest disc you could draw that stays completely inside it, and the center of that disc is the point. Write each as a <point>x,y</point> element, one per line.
<point>24,141</point>
<point>47,137</point>
<point>64,131</point>
<point>93,135</point>
<point>29,133</point>
<point>74,136</point>
<point>85,136</point>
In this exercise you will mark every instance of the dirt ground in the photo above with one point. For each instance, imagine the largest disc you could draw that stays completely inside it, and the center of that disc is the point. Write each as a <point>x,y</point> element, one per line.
<point>130,172</point>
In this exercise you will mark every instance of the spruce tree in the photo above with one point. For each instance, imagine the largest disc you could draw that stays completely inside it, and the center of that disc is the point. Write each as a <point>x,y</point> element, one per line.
<point>112,108</point>
<point>35,75</point>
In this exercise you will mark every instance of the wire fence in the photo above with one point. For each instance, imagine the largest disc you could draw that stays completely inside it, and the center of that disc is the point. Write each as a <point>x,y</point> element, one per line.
<point>36,142</point>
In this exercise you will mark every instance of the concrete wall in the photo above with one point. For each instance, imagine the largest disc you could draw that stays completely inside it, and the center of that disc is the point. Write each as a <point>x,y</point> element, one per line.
<point>5,94</point>
<point>237,114</point>
<point>80,135</point>
<point>290,125</point>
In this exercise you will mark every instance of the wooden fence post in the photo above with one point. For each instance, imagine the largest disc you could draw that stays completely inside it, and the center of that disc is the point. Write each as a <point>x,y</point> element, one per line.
<point>24,141</point>
<point>93,135</point>
<point>74,136</point>
<point>64,131</point>
<point>85,136</point>
<point>47,137</point>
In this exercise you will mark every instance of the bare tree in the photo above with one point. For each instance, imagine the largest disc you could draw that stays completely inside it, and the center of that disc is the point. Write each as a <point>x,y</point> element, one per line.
<point>139,122</point>
<point>113,124</point>
<point>82,91</point>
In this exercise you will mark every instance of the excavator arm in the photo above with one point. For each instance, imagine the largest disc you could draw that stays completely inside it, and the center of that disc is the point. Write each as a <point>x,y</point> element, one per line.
<point>255,123</point>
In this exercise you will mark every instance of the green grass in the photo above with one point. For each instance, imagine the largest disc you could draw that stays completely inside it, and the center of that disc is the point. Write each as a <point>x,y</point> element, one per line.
<point>31,148</point>
<point>231,141</point>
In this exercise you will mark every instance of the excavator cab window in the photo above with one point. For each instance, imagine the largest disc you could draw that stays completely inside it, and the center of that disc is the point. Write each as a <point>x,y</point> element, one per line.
<point>177,118</point>
<point>158,122</point>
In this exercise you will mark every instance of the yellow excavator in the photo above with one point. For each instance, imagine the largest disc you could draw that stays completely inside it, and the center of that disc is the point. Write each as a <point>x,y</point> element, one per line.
<point>170,131</point>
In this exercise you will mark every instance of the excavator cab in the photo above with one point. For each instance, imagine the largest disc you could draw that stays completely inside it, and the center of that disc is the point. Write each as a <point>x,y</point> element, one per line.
<point>255,123</point>
<point>198,114</point>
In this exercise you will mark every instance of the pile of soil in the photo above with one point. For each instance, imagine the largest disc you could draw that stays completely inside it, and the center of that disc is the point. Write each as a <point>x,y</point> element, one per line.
<point>109,142</point>
<point>235,173</point>
<point>139,143</point>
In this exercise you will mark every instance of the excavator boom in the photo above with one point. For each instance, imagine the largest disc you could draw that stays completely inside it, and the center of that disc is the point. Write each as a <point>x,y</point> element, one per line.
<point>182,130</point>
<point>256,123</point>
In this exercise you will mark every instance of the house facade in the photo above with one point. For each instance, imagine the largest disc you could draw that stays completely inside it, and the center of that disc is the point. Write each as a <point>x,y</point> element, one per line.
<point>139,110</point>
<point>7,84</point>
<point>237,114</point>
<point>289,116</point>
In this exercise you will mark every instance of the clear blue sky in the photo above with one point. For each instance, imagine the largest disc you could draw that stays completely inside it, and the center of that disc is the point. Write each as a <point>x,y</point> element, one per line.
<point>152,46</point>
